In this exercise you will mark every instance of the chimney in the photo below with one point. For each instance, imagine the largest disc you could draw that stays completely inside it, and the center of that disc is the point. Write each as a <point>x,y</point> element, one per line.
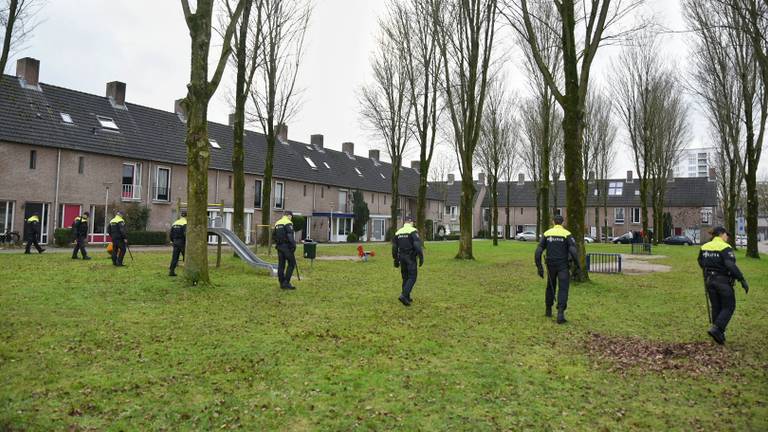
<point>316,140</point>
<point>116,93</point>
<point>28,69</point>
<point>179,109</point>
<point>282,132</point>
<point>231,120</point>
<point>481,178</point>
<point>521,179</point>
<point>629,176</point>
<point>415,164</point>
<point>374,154</point>
<point>712,174</point>
<point>348,148</point>
<point>451,179</point>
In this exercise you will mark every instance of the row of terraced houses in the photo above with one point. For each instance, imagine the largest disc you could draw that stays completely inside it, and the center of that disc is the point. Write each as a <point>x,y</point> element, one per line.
<point>63,152</point>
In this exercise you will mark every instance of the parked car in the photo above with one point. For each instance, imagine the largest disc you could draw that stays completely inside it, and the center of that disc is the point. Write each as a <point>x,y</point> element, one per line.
<point>625,238</point>
<point>678,240</point>
<point>588,239</point>
<point>741,240</point>
<point>526,236</point>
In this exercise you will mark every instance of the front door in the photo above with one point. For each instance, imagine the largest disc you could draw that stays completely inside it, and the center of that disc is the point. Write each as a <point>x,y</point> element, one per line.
<point>378,230</point>
<point>42,209</point>
<point>69,213</point>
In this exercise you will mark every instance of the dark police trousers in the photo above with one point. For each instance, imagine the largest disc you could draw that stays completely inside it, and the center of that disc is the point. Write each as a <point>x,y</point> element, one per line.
<point>557,275</point>
<point>178,249</point>
<point>118,251</point>
<point>285,256</point>
<point>722,298</point>
<point>30,242</point>
<point>409,270</point>
<point>80,246</point>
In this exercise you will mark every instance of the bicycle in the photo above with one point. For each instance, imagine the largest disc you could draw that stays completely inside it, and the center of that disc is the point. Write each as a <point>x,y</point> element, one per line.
<point>10,237</point>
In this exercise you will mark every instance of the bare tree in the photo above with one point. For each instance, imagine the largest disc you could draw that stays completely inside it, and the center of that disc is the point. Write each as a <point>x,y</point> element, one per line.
<point>17,22</point>
<point>597,18</point>
<point>385,109</point>
<point>273,93</point>
<point>411,26</point>
<point>599,138</point>
<point>444,164</point>
<point>497,144</point>
<point>199,92</point>
<point>465,37</point>
<point>510,165</point>
<point>246,48</point>
<point>715,81</point>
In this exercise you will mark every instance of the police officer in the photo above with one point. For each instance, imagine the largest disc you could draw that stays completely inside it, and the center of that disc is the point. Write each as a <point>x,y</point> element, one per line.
<point>80,232</point>
<point>179,240</point>
<point>406,247</point>
<point>32,232</point>
<point>718,262</point>
<point>117,231</point>
<point>560,247</point>
<point>286,246</point>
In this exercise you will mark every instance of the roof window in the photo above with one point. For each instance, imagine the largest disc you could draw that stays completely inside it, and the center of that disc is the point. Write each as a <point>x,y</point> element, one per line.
<point>66,118</point>
<point>214,143</point>
<point>326,165</point>
<point>358,172</point>
<point>107,122</point>
<point>382,176</point>
<point>310,162</point>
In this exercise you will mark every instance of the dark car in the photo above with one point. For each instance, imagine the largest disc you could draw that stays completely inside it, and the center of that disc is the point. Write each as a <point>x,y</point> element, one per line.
<point>625,238</point>
<point>678,240</point>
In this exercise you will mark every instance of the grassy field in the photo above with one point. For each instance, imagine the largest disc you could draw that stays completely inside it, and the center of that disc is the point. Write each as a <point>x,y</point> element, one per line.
<point>85,346</point>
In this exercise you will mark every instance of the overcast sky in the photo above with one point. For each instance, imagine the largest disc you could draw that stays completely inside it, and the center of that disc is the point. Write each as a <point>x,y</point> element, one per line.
<point>83,44</point>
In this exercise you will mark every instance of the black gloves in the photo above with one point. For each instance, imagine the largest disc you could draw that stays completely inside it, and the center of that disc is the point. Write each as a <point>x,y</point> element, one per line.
<point>745,285</point>
<point>541,272</point>
<point>421,260</point>
<point>397,263</point>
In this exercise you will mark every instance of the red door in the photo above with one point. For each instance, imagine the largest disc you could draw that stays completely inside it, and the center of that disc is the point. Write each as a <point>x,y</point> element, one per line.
<point>71,211</point>
<point>678,231</point>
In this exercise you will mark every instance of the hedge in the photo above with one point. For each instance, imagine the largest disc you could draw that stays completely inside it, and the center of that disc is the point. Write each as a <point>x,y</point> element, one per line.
<point>62,236</point>
<point>352,237</point>
<point>147,237</point>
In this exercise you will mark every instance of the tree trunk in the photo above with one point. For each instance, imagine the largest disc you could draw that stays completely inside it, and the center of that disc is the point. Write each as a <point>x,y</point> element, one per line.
<point>238,152</point>
<point>729,204</point>
<point>597,224</point>
<point>752,205</point>
<point>465,211</point>
<point>394,205</point>
<point>508,226</point>
<point>573,129</point>
<point>540,208</point>
<point>421,197</point>
<point>495,213</point>
<point>644,210</point>
<point>11,21</point>
<point>266,186</point>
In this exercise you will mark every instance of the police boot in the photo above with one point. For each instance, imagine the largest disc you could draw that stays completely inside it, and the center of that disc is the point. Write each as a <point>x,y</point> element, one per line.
<point>404,300</point>
<point>75,257</point>
<point>86,257</point>
<point>172,273</point>
<point>561,316</point>
<point>717,335</point>
<point>548,312</point>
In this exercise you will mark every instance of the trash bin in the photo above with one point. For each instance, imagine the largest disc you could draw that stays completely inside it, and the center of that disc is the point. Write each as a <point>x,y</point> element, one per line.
<point>310,249</point>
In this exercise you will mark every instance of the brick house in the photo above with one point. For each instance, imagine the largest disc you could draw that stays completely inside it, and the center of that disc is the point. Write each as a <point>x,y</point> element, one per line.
<point>63,152</point>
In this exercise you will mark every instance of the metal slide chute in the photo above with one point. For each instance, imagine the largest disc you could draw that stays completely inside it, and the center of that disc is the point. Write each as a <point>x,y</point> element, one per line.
<point>242,250</point>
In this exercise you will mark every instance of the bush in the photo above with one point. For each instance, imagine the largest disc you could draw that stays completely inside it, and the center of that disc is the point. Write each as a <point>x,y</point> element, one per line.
<point>429,228</point>
<point>299,223</point>
<point>136,216</point>
<point>452,237</point>
<point>147,237</point>
<point>352,237</point>
<point>62,237</point>
<point>390,233</point>
<point>482,234</point>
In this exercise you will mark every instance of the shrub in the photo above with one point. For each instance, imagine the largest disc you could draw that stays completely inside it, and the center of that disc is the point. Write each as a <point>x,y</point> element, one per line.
<point>299,223</point>
<point>62,236</point>
<point>452,237</point>
<point>147,237</point>
<point>428,227</point>
<point>136,216</point>
<point>482,234</point>
<point>390,233</point>
<point>360,211</point>
<point>352,237</point>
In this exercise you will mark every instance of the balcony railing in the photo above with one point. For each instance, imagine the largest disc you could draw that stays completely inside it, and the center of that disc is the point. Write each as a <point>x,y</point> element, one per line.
<point>131,192</point>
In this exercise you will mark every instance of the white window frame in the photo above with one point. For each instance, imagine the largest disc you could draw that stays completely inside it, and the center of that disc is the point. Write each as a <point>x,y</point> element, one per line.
<point>615,189</point>
<point>66,118</point>
<point>135,187</point>
<point>310,162</point>
<point>9,208</point>
<point>156,186</point>
<point>326,165</point>
<point>107,123</point>
<point>258,193</point>
<point>214,143</point>
<point>282,195</point>
<point>635,211</point>
<point>616,219</point>
<point>358,172</point>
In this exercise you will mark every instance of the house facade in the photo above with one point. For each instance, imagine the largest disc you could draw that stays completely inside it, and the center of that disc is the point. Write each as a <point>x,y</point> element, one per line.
<point>63,152</point>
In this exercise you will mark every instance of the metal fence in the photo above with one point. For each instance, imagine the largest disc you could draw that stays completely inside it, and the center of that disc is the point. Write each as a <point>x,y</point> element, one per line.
<point>603,263</point>
<point>641,249</point>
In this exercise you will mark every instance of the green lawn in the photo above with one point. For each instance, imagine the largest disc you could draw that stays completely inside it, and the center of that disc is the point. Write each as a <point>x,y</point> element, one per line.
<point>85,346</point>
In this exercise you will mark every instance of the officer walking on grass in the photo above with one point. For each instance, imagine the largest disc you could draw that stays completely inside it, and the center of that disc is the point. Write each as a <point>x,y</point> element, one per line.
<point>406,247</point>
<point>80,233</point>
<point>561,248</point>
<point>117,231</point>
<point>718,262</point>
<point>32,232</point>
<point>286,246</point>
<point>179,240</point>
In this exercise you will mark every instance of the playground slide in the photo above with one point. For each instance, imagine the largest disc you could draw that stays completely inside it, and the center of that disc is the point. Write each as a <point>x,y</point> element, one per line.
<point>242,250</point>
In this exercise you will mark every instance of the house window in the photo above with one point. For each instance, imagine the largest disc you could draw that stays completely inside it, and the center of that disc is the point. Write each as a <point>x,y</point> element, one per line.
<point>214,143</point>
<point>279,195</point>
<point>344,226</point>
<point>6,216</point>
<point>452,211</point>
<point>310,162</point>
<point>257,194</point>
<point>521,210</point>
<point>385,200</point>
<point>618,215</point>
<point>326,165</point>
<point>107,123</point>
<point>81,165</point>
<point>33,159</point>
<point>615,189</point>
<point>305,190</point>
<point>358,172</point>
<point>163,184</point>
<point>66,118</point>
<point>343,198</point>
<point>558,212</point>
<point>322,193</point>
<point>706,215</point>
<point>635,215</point>
<point>131,181</point>
<point>229,182</point>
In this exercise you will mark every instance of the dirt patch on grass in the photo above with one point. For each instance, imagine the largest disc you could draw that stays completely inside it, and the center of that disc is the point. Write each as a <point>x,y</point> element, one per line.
<point>626,353</point>
<point>337,258</point>
<point>638,264</point>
